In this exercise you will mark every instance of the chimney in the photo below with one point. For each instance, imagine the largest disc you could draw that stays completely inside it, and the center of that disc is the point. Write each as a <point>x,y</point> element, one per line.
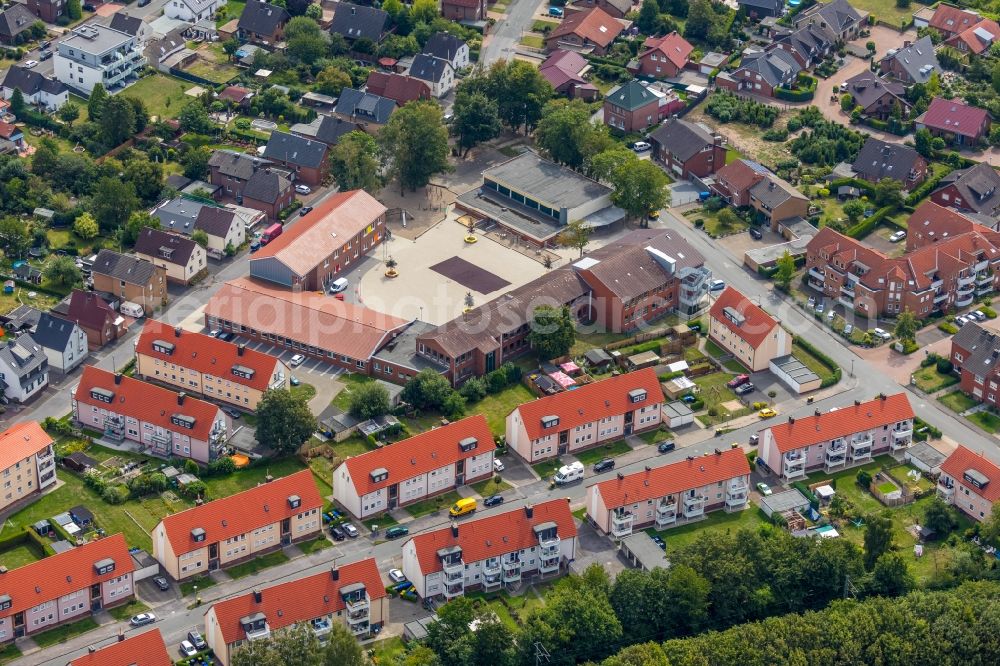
<point>907,43</point>
<point>118,378</point>
<point>121,635</point>
<point>334,573</point>
<point>180,397</point>
<point>791,420</point>
<point>257,596</point>
<point>816,412</point>
<point>648,468</point>
<point>529,510</point>
<point>454,529</point>
<point>177,331</point>
<point>240,348</point>
<point>857,403</point>
<point>881,396</point>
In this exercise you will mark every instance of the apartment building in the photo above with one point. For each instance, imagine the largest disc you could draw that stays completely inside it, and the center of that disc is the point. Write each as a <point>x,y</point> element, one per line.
<point>130,278</point>
<point>95,53</point>
<point>180,257</point>
<point>670,495</point>
<point>165,423</point>
<point>742,328</point>
<point>233,529</point>
<point>198,363</point>
<point>498,552</point>
<point>940,276</point>
<point>595,413</point>
<point>27,465</point>
<point>351,594</point>
<point>145,649</point>
<point>838,439</point>
<point>974,353</point>
<point>413,469</point>
<point>65,587</point>
<point>971,482</point>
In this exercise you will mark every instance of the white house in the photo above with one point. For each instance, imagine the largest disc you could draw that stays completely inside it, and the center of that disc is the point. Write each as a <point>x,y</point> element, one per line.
<point>192,10</point>
<point>436,72</point>
<point>63,342</point>
<point>500,551</point>
<point>37,90</point>
<point>24,368</point>
<point>448,47</point>
<point>94,54</point>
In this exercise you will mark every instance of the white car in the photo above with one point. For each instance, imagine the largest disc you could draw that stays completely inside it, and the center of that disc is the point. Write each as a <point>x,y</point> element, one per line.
<point>303,189</point>
<point>350,530</point>
<point>297,360</point>
<point>898,236</point>
<point>497,465</point>
<point>882,334</point>
<point>396,576</point>
<point>187,649</point>
<point>641,146</point>
<point>28,64</point>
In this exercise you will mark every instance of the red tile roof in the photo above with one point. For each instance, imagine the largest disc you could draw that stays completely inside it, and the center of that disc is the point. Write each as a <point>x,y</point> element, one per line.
<point>235,94</point>
<point>930,223</point>
<point>316,320</point>
<point>673,478</point>
<point>207,355</point>
<point>146,402</point>
<point>313,238</point>
<point>951,19</point>
<point>238,514</point>
<point>964,459</point>
<point>145,649</point>
<point>809,430</point>
<point>494,535</point>
<point>676,48</point>
<point>298,600</point>
<point>397,87</point>
<point>420,454</point>
<point>591,402</point>
<point>58,575</point>
<point>971,36</point>
<point>757,324</point>
<point>20,441</point>
<point>594,25</point>
<point>951,115</point>
<point>7,131</point>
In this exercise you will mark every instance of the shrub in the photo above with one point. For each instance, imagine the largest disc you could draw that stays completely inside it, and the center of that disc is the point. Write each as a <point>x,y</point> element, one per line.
<point>116,494</point>
<point>221,467</point>
<point>944,366</point>
<point>191,467</point>
<point>193,490</point>
<point>726,107</point>
<point>772,393</point>
<point>989,312</point>
<point>863,479</point>
<point>948,328</point>
<point>473,390</point>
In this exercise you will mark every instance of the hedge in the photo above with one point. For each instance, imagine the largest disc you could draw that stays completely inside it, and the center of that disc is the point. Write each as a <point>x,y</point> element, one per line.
<point>926,188</point>
<point>805,91</point>
<point>865,227</point>
<point>862,185</point>
<point>804,489</point>
<point>830,364</point>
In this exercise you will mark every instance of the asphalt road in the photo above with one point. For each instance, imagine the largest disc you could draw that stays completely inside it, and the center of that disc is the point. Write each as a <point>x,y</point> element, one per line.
<point>506,34</point>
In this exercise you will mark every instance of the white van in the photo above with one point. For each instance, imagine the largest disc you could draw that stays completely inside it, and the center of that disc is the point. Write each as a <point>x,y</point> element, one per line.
<point>131,309</point>
<point>338,285</point>
<point>568,474</point>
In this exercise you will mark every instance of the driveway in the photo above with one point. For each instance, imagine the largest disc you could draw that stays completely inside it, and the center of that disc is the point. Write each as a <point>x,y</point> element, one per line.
<point>682,193</point>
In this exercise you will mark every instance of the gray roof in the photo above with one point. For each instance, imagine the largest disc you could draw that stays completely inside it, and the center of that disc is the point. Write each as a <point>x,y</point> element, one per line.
<point>23,356</point>
<point>53,332</point>
<point>645,551</point>
<point>632,95</point>
<point>215,221</point>
<point>546,181</point>
<point>178,215</point>
<point>983,346</point>
<point>809,40</point>
<point>294,149</point>
<point>16,19</point>
<point>428,68</point>
<point>838,13</point>
<point>151,241</point>
<point>774,66</point>
<point>262,18</point>
<point>21,317</point>
<point>682,138</point>
<point>773,191</point>
<point>775,6</point>
<point>122,22</point>
<point>917,60</point>
<point>235,164</point>
<point>266,185</point>
<point>978,186</point>
<point>125,267</point>
<point>30,82</point>
<point>365,106</point>
<point>443,45</point>
<point>330,129</point>
<point>867,88</point>
<point>95,38</point>
<point>877,160</point>
<point>926,454</point>
<point>357,22</point>
<point>402,351</point>
<point>785,500</point>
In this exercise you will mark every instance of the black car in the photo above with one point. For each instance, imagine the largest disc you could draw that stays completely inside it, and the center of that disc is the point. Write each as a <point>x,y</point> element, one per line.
<point>667,446</point>
<point>232,412</point>
<point>161,583</point>
<point>226,336</point>
<point>89,7</point>
<point>604,465</point>
<point>337,533</point>
<point>493,500</point>
<point>197,641</point>
<point>305,210</point>
<point>658,540</point>
<point>755,233</point>
<point>397,532</point>
<point>44,54</point>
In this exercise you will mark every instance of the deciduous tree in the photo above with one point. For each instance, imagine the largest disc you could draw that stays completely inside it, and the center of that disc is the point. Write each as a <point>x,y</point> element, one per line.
<point>415,144</point>
<point>369,400</point>
<point>477,119</point>
<point>95,102</point>
<point>575,234</point>
<point>786,270</point>
<point>354,162</point>
<point>284,421</point>
<point>113,202</point>
<point>62,270</point>
<point>552,331</point>
<point>878,538</point>
<point>85,226</point>
<point>906,326</point>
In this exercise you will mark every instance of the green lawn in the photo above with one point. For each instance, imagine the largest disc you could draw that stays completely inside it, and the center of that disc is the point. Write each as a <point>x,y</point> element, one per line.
<point>432,504</point>
<point>21,554</point>
<point>257,564</point>
<point>388,651</point>
<point>714,228</point>
<point>354,445</point>
<point>343,399</point>
<point>546,469</point>
<point>384,521</point>
<point>886,10</point>
<point>201,582</point>
<point>811,361</point>
<point>134,607</point>
<point>715,392</point>
<point>491,487</point>
<point>9,653</point>
<point>886,487</point>
<point>591,456</point>
<point>900,473</point>
<point>732,155</point>
<point>315,545</point>
<point>534,41</point>
<point>216,72</point>
<point>232,10</point>
<point>957,401</point>
<point>163,95</point>
<point>988,421</point>
<point>930,380</point>
<point>305,391</point>
<point>65,632</point>
<point>719,521</point>
<point>496,407</point>
<point>715,350</point>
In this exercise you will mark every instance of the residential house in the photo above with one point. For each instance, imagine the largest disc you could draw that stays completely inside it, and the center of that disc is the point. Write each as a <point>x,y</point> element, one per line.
<point>955,122</point>
<point>466,12</point>
<point>66,587</point>
<point>223,226</point>
<point>262,22</point>
<point>595,413</point>
<point>27,467</point>
<point>230,170</point>
<point>878,159</point>
<point>809,45</point>
<point>47,10</point>
<point>436,72</point>
<point>192,11</point>
<point>664,57</point>
<point>207,366</point>
<point>329,129</point>
<point>589,31</point>
<point>342,334</point>
<point>775,200</point>
<point>971,482</point>
<point>937,277</point>
<point>352,594</point>
<point>835,440</point>
<point>976,40</point>
<point>838,16</point>
<point>131,279</point>
<point>168,51</point>
<point>363,108</point>
<point>913,63</point>
<point>236,528</point>
<point>616,8</point>
<point>354,22</point>
<point>328,241</point>
<point>236,96</point>
<point>951,21</point>
<point>566,73</point>
<point>878,97</point>
<point>63,342</point>
<point>742,328</point>
<point>93,53</point>
<point>37,90</point>
<point>434,462</point>
<point>974,351</point>
<point>973,190</point>
<point>134,26</point>
<point>761,71</point>
<point>24,368</point>
<point>305,157</point>
<point>670,495</point>
<point>761,9</point>
<point>496,552</point>
<point>631,108</point>
<point>163,423</point>
<point>733,181</point>
<point>11,138</point>
<point>269,191</point>
<point>448,47</point>
<point>14,21</point>
<point>23,318</point>
<point>138,649</point>
<point>96,317</point>
<point>182,258</point>
<point>931,223</point>
<point>397,87</point>
<point>688,149</point>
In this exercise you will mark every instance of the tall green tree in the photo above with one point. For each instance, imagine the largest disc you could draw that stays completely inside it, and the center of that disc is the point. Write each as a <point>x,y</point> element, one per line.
<point>427,390</point>
<point>786,270</point>
<point>415,144</point>
<point>331,80</point>
<point>643,654</point>
<point>136,222</point>
<point>699,20</point>
<point>74,10</point>
<point>552,331</point>
<point>575,234</point>
<point>368,401</point>
<point>888,192</point>
<point>284,422</point>
<point>687,601</point>
<point>520,92</point>
<point>194,118</point>
<point>95,103</point>
<point>85,226</point>
<point>146,177</point>
<point>62,270</point>
<point>649,17</point>
<point>891,576</point>
<point>564,130</point>
<point>195,162</point>
<point>17,104</point>
<point>940,517</point>
<point>68,112</point>
<point>640,187</point>
<point>906,326</point>
<point>113,202</point>
<point>878,538</point>
<point>354,162</point>
<point>477,119</point>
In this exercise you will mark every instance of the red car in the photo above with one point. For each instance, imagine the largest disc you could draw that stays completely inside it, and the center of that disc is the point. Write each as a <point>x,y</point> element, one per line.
<point>738,381</point>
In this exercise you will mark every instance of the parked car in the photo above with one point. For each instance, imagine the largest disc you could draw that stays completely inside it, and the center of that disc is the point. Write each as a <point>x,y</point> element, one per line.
<point>743,389</point>
<point>232,412</point>
<point>161,583</point>
<point>44,44</point>
<point>717,285</point>
<point>493,500</point>
<point>142,619</point>
<point>848,329</point>
<point>294,381</point>
<point>338,285</point>
<point>604,465</point>
<point>351,530</point>
<point>396,576</point>
<point>831,314</point>
<point>226,336</point>
<point>755,233</point>
<point>979,315</point>
<point>28,64</point>
<point>641,146</point>
<point>303,189</point>
<point>812,301</point>
<point>898,236</point>
<point>187,650</point>
<point>463,506</point>
<point>820,307</point>
<point>739,380</point>
<point>767,413</point>
<point>754,440</point>
<point>688,398</point>
<point>196,640</point>
<point>764,489</point>
<point>45,54</point>
<point>397,532</point>
<point>297,360</point>
<point>557,12</point>
<point>88,7</point>
<point>568,474</point>
<point>667,446</point>
<point>882,334</point>
<point>498,465</point>
<point>337,533</point>
<point>658,540</point>
<point>305,210</point>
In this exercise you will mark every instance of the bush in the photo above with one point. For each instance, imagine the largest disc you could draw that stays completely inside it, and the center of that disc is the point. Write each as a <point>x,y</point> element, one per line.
<point>191,467</point>
<point>948,328</point>
<point>989,312</point>
<point>865,227</point>
<point>944,366</point>
<point>863,479</point>
<point>726,107</point>
<point>473,390</point>
<point>926,188</point>
<point>116,494</point>
<point>221,467</point>
<point>193,490</point>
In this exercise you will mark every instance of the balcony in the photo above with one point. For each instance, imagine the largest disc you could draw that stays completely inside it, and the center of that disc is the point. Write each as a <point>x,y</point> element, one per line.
<point>793,464</point>
<point>321,626</point>
<point>694,507</point>
<point>981,266</point>
<point>835,456</point>
<point>937,284</point>
<point>940,298</point>
<point>549,563</point>
<point>984,279</point>
<point>901,439</point>
<point>511,571</point>
<point>847,290</point>
<point>963,301</point>
<point>965,281</point>
<point>357,608</point>
<point>946,490</point>
<point>736,495</point>
<point>861,449</point>
<point>817,274</point>
<point>846,302</point>
<point>454,588</point>
<point>666,514</point>
<point>982,291</point>
<point>621,524</point>
<point>263,630</point>
<point>549,547</point>
<point>491,575</point>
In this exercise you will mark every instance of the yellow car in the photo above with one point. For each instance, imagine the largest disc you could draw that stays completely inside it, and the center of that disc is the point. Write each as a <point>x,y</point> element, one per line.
<point>654,214</point>
<point>767,413</point>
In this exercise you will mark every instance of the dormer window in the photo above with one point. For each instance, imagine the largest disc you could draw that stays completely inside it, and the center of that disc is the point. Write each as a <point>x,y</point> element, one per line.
<point>243,371</point>
<point>468,444</point>
<point>636,395</point>
<point>976,478</point>
<point>183,421</point>
<point>5,602</point>
<point>163,347</point>
<point>550,421</point>
<point>198,534</point>
<point>105,566</point>
<point>379,474</point>
<point>294,501</point>
<point>103,395</point>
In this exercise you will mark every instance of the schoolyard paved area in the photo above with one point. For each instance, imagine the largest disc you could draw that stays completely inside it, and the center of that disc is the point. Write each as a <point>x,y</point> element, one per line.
<point>469,275</point>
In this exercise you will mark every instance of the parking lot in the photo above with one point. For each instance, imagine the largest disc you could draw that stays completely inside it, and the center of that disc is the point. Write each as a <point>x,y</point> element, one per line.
<point>319,374</point>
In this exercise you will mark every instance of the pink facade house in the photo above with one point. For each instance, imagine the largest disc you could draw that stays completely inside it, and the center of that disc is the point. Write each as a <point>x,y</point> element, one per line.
<point>971,482</point>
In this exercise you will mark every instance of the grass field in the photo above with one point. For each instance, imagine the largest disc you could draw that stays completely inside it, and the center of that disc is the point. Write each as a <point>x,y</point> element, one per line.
<point>315,545</point>
<point>491,487</point>
<point>811,361</point>
<point>930,380</point>
<point>9,653</point>
<point>201,582</point>
<point>719,521</point>
<point>988,421</point>
<point>715,392</point>
<point>591,456</point>
<point>885,10</point>
<point>134,607</point>
<point>496,407</point>
<point>432,504</point>
<point>163,95</point>
<point>534,41</point>
<point>65,632</point>
<point>305,391</point>
<point>216,72</point>
<point>257,564</point>
<point>546,469</point>
<point>20,555</point>
<point>957,401</point>
<point>351,381</point>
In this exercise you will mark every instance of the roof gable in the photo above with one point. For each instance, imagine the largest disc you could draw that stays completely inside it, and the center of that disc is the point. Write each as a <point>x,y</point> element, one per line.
<point>742,317</point>
<point>593,25</point>
<point>861,416</point>
<point>297,150</point>
<point>166,246</point>
<point>138,649</point>
<point>963,460</point>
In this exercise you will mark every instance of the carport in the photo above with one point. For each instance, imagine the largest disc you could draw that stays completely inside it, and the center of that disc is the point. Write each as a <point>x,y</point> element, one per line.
<point>640,551</point>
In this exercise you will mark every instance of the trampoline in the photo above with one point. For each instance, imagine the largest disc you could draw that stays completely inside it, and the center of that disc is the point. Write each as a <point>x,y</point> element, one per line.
<point>240,460</point>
